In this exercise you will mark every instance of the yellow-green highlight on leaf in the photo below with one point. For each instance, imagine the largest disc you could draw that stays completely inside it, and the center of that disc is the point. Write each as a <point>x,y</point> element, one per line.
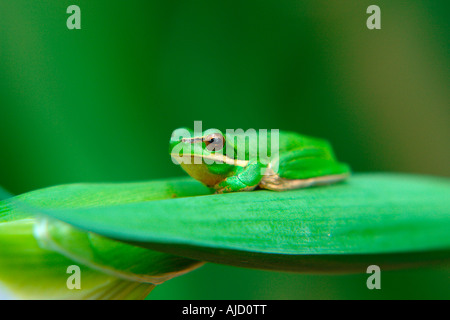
<point>29,272</point>
<point>109,256</point>
<point>36,251</point>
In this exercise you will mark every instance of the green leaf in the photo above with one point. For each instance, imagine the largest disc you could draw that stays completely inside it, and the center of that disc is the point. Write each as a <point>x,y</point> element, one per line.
<point>386,219</point>
<point>29,272</point>
<point>36,251</point>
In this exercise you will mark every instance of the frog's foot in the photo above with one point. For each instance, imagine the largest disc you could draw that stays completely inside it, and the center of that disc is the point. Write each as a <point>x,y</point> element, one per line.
<point>233,184</point>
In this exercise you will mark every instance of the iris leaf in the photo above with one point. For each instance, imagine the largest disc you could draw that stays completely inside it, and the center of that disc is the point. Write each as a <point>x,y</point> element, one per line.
<point>28,271</point>
<point>387,219</point>
<point>4,194</point>
<point>35,251</point>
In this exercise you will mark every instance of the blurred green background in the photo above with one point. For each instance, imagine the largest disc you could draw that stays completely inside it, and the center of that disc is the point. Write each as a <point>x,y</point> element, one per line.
<point>99,104</point>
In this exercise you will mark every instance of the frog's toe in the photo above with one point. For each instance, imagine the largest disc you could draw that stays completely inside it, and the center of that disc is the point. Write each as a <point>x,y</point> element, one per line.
<point>224,187</point>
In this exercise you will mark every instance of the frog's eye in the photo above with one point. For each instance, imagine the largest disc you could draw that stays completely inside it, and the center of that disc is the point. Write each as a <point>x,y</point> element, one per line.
<point>214,142</point>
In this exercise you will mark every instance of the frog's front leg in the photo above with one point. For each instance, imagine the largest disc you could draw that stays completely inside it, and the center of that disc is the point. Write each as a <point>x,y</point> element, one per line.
<point>245,179</point>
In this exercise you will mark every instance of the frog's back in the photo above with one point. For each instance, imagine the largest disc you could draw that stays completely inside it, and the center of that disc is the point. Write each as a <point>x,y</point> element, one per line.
<point>292,141</point>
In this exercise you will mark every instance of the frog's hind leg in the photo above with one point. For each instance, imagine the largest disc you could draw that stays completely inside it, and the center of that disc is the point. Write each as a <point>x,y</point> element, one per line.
<point>304,167</point>
<point>276,183</point>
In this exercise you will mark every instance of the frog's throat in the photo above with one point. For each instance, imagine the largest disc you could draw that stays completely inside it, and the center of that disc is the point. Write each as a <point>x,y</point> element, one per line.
<point>220,158</point>
<point>201,173</point>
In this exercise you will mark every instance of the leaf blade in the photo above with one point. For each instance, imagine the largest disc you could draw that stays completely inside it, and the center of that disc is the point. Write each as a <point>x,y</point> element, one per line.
<point>28,271</point>
<point>34,251</point>
<point>389,218</point>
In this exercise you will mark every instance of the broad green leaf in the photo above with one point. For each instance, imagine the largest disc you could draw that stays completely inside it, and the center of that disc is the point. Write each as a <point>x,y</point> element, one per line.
<point>112,257</point>
<point>386,219</point>
<point>97,194</point>
<point>36,251</point>
<point>29,272</point>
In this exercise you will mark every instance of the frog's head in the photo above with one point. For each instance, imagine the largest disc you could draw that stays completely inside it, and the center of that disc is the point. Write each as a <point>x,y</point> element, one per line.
<point>207,157</point>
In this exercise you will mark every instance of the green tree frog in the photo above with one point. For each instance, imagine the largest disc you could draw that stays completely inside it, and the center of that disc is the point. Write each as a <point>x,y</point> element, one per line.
<point>243,161</point>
